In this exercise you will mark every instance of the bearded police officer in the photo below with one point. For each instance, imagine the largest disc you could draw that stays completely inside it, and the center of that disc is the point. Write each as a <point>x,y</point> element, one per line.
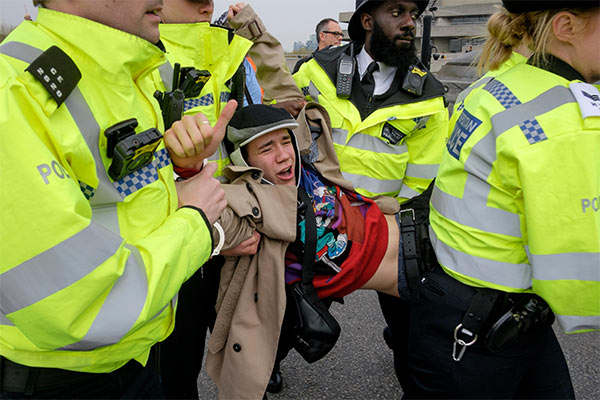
<point>96,237</point>
<point>388,115</point>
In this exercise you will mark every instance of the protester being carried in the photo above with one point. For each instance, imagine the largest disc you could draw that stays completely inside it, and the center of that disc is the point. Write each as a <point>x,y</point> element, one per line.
<point>358,245</point>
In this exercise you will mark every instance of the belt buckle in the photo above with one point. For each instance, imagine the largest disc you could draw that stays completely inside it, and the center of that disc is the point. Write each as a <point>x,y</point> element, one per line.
<point>408,210</point>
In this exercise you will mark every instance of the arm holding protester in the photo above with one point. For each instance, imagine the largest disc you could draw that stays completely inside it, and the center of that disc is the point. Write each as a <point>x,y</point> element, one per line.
<point>267,53</point>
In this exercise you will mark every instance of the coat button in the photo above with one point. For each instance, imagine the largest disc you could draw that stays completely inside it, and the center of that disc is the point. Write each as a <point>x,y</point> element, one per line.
<point>249,187</point>
<point>256,297</point>
<point>255,211</point>
<point>237,347</point>
<point>255,175</point>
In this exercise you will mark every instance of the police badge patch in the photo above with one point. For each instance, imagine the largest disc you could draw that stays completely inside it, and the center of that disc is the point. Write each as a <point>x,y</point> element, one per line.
<point>393,135</point>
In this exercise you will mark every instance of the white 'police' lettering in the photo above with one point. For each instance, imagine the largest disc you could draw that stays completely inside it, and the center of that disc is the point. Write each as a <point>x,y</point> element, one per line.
<point>46,171</point>
<point>592,204</point>
<point>464,128</point>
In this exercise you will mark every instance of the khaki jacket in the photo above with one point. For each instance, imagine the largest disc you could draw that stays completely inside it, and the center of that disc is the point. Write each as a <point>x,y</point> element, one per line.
<point>251,301</point>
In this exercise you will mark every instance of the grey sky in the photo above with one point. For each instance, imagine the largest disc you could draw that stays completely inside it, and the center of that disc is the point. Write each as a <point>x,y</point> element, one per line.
<point>288,20</point>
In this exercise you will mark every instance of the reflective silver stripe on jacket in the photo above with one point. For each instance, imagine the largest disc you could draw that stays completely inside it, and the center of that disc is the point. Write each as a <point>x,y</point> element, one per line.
<point>312,91</point>
<point>462,95</point>
<point>373,185</point>
<point>56,268</point>
<point>517,276</point>
<point>407,192</point>
<point>573,323</point>
<point>166,75</point>
<point>339,136</point>
<point>374,144</point>
<point>422,171</point>
<point>570,266</point>
<point>106,193</point>
<point>121,308</point>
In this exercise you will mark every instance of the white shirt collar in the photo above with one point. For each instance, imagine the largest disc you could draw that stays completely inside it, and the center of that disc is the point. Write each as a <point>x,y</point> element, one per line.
<point>383,78</point>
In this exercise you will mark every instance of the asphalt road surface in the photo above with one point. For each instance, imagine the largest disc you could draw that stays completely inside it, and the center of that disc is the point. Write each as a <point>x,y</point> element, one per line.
<point>360,366</point>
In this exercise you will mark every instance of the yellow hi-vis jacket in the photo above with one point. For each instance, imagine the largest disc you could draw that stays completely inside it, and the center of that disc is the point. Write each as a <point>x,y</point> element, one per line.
<point>516,204</point>
<point>370,159</point>
<point>205,47</point>
<point>90,268</point>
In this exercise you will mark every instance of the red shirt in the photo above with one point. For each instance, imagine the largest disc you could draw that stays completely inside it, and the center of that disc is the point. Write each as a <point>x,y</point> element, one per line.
<point>351,240</point>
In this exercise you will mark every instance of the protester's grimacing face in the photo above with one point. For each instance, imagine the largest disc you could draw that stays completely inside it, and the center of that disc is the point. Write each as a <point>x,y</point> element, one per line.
<point>187,11</point>
<point>137,17</point>
<point>275,155</point>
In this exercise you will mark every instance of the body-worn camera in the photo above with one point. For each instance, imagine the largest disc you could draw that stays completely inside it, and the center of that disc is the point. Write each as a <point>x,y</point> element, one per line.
<point>414,80</point>
<point>129,151</point>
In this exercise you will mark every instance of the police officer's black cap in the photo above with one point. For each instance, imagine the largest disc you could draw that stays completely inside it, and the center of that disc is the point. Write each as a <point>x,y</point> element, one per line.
<point>355,29</point>
<point>521,6</point>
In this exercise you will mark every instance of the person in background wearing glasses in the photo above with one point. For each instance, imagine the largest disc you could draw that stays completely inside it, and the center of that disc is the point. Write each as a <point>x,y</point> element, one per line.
<point>329,33</point>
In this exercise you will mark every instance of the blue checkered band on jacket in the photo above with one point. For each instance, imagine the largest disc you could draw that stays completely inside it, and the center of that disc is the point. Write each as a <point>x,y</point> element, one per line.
<point>502,94</point>
<point>204,101</point>
<point>531,127</point>
<point>162,158</point>
<point>144,176</point>
<point>87,190</point>
<point>533,131</point>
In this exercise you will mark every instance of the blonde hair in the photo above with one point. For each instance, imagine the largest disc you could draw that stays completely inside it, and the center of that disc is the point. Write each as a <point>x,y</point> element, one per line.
<point>507,31</point>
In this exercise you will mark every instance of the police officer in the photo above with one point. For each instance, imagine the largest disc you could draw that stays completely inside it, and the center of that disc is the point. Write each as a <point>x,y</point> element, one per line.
<point>96,238</point>
<point>191,41</point>
<point>513,220</point>
<point>388,116</point>
<point>188,38</point>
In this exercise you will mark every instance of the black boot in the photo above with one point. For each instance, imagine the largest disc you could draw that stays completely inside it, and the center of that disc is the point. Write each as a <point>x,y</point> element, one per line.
<point>276,380</point>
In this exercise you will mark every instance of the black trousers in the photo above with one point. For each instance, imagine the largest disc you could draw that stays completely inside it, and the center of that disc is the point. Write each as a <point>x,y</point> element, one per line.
<point>180,355</point>
<point>131,381</point>
<point>396,313</point>
<point>533,367</point>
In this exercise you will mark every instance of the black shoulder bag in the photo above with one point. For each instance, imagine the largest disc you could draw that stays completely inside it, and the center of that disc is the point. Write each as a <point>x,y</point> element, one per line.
<point>316,330</point>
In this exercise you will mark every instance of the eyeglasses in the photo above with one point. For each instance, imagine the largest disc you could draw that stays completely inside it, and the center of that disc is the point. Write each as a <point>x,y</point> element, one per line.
<point>338,34</point>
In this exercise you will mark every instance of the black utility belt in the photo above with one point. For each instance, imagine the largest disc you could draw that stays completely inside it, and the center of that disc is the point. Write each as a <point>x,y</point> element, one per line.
<point>417,252</point>
<point>495,318</point>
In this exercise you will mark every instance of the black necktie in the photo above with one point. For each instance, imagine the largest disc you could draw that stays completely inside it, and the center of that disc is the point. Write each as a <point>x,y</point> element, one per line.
<point>368,82</point>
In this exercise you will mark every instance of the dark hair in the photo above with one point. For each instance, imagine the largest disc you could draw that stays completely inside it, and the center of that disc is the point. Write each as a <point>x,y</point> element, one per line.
<point>322,25</point>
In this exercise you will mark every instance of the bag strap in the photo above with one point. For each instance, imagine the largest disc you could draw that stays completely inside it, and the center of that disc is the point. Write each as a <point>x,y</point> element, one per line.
<point>310,247</point>
<point>310,239</point>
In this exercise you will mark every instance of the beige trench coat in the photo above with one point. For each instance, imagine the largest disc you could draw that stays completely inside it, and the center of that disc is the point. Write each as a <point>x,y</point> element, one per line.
<point>251,301</point>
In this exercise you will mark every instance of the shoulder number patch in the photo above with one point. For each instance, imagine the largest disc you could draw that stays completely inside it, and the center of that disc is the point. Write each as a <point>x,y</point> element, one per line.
<point>588,98</point>
<point>57,72</point>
